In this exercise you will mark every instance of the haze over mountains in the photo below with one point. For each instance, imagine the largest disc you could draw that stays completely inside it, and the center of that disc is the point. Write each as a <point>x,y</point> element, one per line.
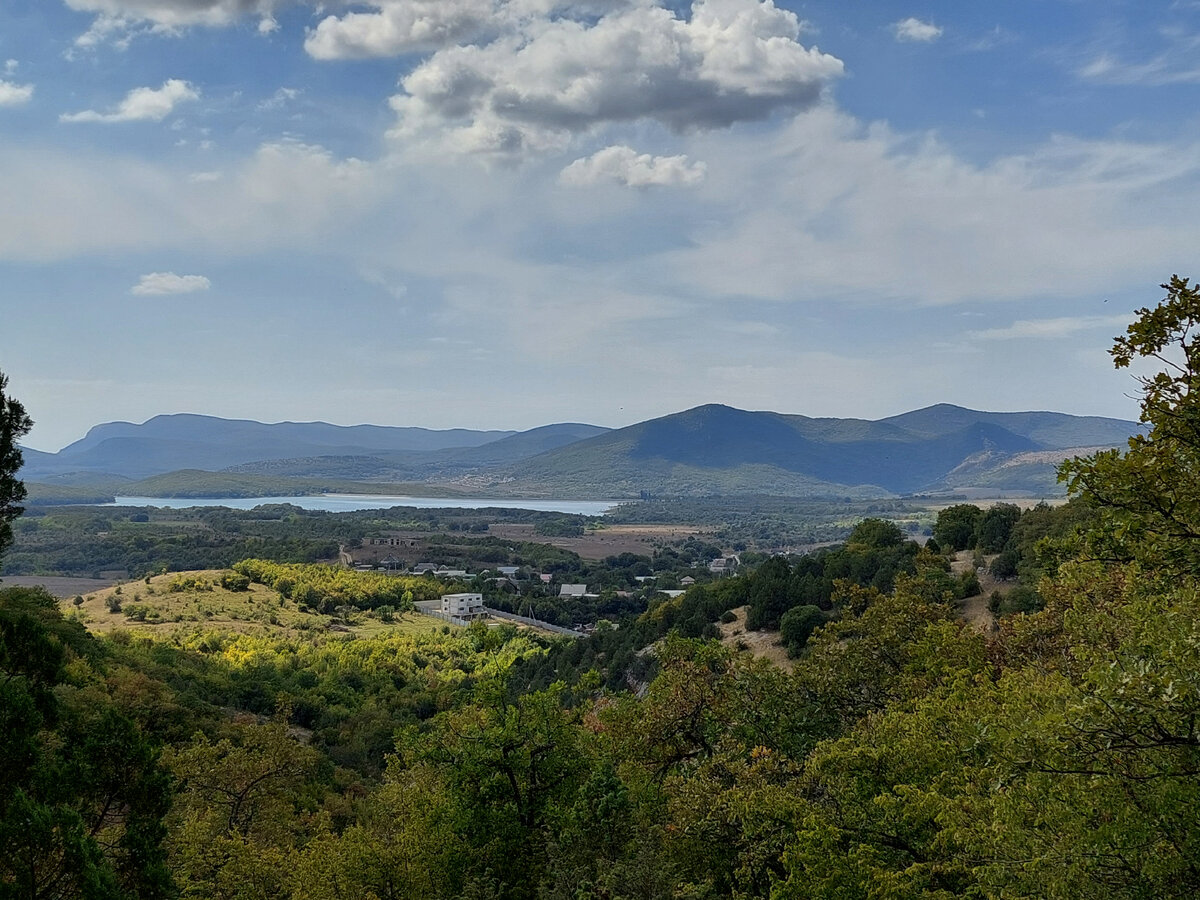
<point>709,450</point>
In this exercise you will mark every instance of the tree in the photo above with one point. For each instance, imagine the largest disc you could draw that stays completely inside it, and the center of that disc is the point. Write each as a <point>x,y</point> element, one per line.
<point>1149,496</point>
<point>14,424</point>
<point>996,526</point>
<point>797,625</point>
<point>956,525</point>
<point>875,534</point>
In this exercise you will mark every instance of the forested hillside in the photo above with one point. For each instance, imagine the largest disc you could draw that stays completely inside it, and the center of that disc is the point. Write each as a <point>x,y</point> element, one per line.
<point>906,753</point>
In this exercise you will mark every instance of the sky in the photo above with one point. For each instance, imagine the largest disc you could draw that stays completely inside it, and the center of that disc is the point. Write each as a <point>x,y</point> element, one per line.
<point>508,213</point>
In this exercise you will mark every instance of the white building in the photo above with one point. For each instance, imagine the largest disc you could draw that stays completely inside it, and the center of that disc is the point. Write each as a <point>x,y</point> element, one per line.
<point>463,606</point>
<point>573,591</point>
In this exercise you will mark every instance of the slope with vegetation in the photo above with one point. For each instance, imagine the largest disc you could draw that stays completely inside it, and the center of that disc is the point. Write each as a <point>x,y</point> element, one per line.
<point>906,754</point>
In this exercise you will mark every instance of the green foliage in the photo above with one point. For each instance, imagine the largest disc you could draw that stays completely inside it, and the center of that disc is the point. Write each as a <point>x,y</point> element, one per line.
<point>81,794</point>
<point>325,588</point>
<point>957,526</point>
<point>14,424</point>
<point>190,583</point>
<point>797,625</point>
<point>875,534</point>
<point>1148,496</point>
<point>235,581</point>
<point>995,527</point>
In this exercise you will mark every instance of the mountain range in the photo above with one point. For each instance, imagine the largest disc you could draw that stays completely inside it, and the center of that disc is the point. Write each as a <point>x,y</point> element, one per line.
<point>708,450</point>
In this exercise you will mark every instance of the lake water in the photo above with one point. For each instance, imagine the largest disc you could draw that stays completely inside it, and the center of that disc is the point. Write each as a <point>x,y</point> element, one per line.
<point>354,502</point>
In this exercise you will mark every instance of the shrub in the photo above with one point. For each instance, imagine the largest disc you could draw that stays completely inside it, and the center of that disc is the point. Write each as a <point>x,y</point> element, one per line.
<point>797,625</point>
<point>235,581</point>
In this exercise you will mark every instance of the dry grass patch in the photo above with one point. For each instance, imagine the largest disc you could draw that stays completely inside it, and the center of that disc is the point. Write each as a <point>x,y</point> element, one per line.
<point>759,643</point>
<point>196,600</point>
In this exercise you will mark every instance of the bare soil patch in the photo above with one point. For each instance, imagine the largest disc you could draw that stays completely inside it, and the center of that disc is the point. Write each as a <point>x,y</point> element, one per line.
<point>975,609</point>
<point>764,644</point>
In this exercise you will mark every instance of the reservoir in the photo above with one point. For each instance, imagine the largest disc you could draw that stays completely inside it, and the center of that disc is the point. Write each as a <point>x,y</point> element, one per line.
<point>355,502</point>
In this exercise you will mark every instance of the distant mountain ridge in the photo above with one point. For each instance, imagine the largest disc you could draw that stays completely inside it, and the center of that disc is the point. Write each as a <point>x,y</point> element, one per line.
<point>718,449</point>
<point>709,450</point>
<point>186,441</point>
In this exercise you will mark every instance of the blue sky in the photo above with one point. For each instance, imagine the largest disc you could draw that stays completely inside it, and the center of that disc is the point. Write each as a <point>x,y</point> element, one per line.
<point>506,213</point>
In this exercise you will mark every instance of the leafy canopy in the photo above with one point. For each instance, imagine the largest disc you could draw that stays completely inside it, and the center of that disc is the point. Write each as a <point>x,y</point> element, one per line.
<point>14,424</point>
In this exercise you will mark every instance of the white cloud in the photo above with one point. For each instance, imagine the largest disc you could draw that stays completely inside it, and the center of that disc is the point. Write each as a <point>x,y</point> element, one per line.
<point>160,283</point>
<point>625,165</point>
<point>280,98</point>
<point>268,25</point>
<point>11,66</point>
<point>830,208</point>
<point>1173,68</point>
<point>12,94</point>
<point>176,13</point>
<point>1025,329</point>
<point>141,104</point>
<point>399,26</point>
<point>914,30</point>
<point>732,61</point>
<point>204,177</point>
<point>285,194</point>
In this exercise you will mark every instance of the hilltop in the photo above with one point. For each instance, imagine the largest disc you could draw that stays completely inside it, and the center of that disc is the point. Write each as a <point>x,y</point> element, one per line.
<point>711,450</point>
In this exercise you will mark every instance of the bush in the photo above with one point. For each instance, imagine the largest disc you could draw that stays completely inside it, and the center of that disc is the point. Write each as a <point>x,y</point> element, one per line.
<point>797,625</point>
<point>235,581</point>
<point>1004,566</point>
<point>728,616</point>
<point>968,585</point>
<point>1021,599</point>
<point>113,602</point>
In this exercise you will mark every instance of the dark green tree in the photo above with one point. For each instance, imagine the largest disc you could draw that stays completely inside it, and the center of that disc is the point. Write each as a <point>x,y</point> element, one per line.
<point>797,625</point>
<point>996,526</point>
<point>14,424</point>
<point>956,526</point>
<point>876,534</point>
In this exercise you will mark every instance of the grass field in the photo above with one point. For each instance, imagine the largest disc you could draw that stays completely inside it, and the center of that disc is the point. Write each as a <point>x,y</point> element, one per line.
<point>154,605</point>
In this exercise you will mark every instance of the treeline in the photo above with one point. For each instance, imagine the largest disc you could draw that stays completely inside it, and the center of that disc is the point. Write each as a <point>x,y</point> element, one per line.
<point>768,523</point>
<point>325,588</point>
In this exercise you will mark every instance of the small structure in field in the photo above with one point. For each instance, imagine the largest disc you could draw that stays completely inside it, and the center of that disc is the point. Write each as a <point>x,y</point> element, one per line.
<point>723,565</point>
<point>463,606</point>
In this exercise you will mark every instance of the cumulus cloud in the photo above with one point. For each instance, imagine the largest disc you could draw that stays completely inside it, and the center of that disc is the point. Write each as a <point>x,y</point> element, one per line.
<point>13,94</point>
<point>626,166</point>
<point>914,30</point>
<point>732,61</point>
<point>142,104</point>
<point>398,27</point>
<point>160,283</point>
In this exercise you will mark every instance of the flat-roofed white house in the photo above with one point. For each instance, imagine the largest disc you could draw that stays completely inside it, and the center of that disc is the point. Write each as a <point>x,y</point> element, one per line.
<point>463,606</point>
